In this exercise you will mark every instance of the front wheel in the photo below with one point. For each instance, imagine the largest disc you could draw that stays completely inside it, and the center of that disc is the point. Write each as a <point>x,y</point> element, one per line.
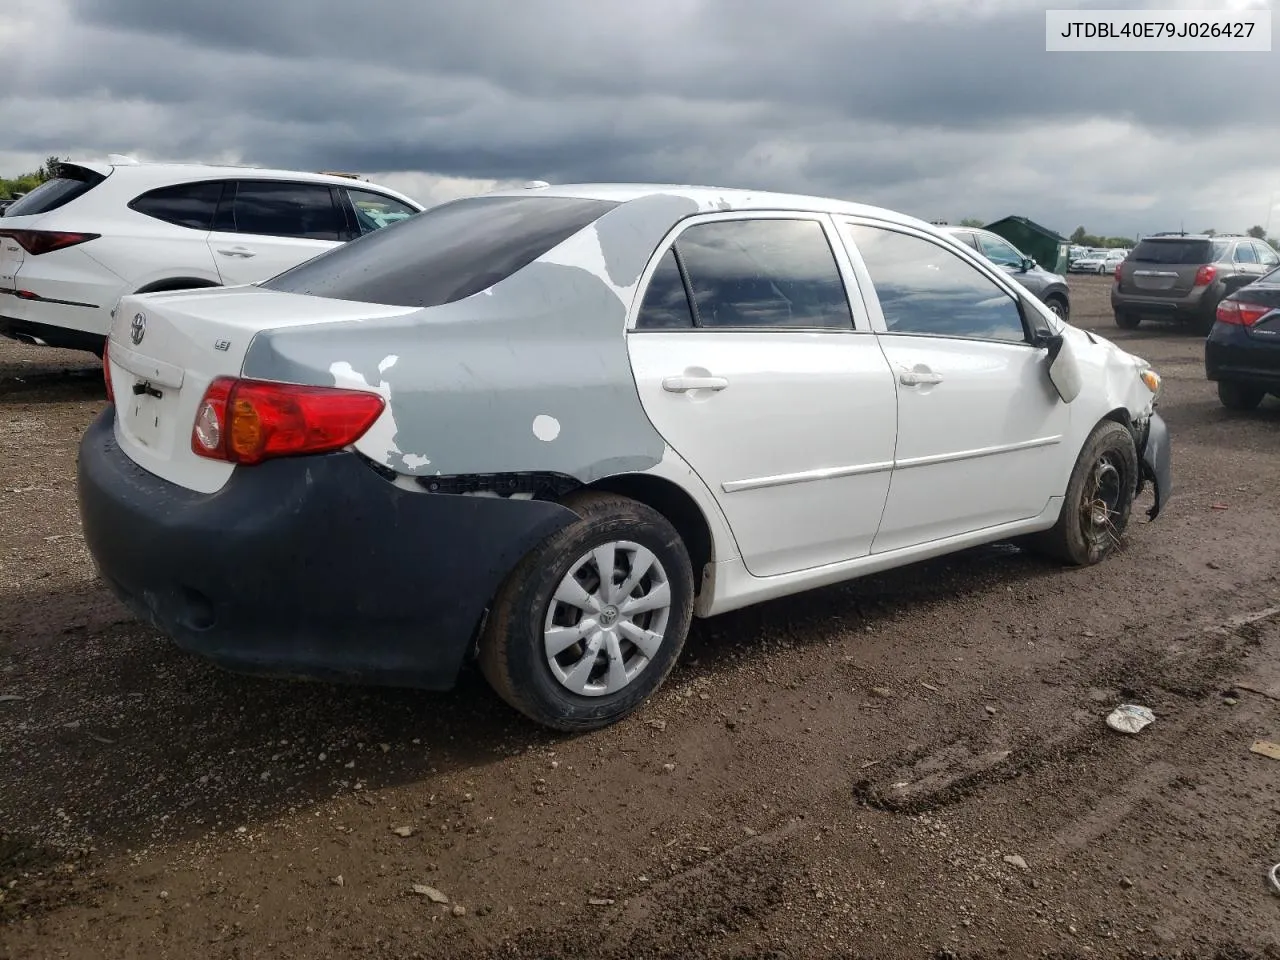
<point>1099,499</point>
<point>593,619</point>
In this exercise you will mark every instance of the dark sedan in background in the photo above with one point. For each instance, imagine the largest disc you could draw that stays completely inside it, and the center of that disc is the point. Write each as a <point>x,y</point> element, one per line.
<point>1050,288</point>
<point>1242,351</point>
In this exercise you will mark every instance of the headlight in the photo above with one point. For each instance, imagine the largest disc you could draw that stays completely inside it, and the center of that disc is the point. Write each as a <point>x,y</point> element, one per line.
<point>1151,379</point>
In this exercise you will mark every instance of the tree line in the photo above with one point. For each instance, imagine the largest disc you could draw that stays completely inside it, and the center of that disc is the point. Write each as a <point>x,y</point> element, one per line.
<point>1085,239</point>
<point>13,187</point>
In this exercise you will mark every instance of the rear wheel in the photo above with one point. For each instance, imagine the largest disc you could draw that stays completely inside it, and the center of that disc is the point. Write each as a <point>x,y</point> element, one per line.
<point>590,623</point>
<point>1099,499</point>
<point>1238,396</point>
<point>1059,306</point>
<point>1127,321</point>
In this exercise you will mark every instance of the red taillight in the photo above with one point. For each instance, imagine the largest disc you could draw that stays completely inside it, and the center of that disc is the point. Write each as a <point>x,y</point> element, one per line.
<point>1241,314</point>
<point>1118,266</point>
<point>248,421</point>
<point>106,371</point>
<point>36,242</point>
<point>1205,275</point>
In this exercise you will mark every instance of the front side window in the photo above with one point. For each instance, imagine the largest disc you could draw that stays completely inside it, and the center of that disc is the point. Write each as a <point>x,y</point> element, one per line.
<point>1246,254</point>
<point>185,205</point>
<point>443,254</point>
<point>374,211</point>
<point>763,273</point>
<point>1267,256</point>
<point>1000,252</point>
<point>925,289</point>
<point>275,208</point>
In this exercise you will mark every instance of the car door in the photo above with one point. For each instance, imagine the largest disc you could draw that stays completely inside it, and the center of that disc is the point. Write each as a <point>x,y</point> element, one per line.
<point>751,363</point>
<point>265,227</point>
<point>980,426</point>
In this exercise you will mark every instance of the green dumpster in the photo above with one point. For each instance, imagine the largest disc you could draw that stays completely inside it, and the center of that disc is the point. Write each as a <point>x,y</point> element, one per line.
<point>1047,247</point>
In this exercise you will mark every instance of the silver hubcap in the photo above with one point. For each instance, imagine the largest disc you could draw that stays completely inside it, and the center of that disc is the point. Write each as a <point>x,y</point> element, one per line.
<point>607,619</point>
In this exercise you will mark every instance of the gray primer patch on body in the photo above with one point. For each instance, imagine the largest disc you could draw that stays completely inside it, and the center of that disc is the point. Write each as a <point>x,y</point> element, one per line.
<point>628,241</point>
<point>470,376</point>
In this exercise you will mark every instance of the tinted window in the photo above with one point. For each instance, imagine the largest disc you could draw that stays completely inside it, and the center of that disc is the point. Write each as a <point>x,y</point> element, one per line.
<point>997,251</point>
<point>1246,254</point>
<point>445,253</point>
<point>71,182</point>
<point>186,205</point>
<point>763,273</point>
<point>305,211</point>
<point>926,289</point>
<point>1177,251</point>
<point>374,211</point>
<point>665,303</point>
<point>968,239</point>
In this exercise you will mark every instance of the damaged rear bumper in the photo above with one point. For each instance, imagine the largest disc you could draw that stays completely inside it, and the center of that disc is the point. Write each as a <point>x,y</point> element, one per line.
<point>1156,463</point>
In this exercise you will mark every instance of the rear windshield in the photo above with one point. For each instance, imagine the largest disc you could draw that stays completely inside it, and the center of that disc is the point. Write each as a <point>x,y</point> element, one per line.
<point>1177,251</point>
<point>443,254</point>
<point>71,182</point>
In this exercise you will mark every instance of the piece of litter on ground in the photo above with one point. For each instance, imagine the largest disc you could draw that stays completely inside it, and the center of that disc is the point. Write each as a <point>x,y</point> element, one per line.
<point>600,902</point>
<point>10,698</point>
<point>929,686</point>
<point>658,724</point>
<point>402,831</point>
<point>1266,748</point>
<point>1220,506</point>
<point>431,893</point>
<point>1274,876</point>
<point>1130,718</point>
<point>1016,861</point>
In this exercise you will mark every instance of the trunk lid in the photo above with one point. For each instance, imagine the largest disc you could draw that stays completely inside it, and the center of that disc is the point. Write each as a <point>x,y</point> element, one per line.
<point>164,349</point>
<point>72,181</point>
<point>1166,267</point>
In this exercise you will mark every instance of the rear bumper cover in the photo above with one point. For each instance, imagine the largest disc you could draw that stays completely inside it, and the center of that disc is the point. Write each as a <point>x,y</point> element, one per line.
<point>1200,304</point>
<point>313,567</point>
<point>48,334</point>
<point>1230,353</point>
<point>1157,463</point>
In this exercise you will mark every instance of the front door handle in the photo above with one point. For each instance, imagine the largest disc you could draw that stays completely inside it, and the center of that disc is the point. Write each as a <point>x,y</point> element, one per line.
<point>918,378</point>
<point>237,252</point>
<point>685,384</point>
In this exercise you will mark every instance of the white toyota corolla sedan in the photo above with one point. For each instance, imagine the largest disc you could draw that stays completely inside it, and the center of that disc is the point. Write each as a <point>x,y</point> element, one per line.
<point>545,427</point>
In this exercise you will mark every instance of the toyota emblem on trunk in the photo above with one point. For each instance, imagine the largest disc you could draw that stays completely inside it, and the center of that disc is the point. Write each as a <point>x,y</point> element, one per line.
<point>138,328</point>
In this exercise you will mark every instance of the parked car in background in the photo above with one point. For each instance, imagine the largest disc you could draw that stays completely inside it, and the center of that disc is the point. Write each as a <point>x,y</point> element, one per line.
<point>1050,288</point>
<point>1242,351</point>
<point>97,231</point>
<point>547,427</point>
<point>1183,277</point>
<point>1103,262</point>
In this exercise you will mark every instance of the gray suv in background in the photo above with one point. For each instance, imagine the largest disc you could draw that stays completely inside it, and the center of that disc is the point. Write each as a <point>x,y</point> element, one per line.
<point>1182,277</point>
<point>1050,288</point>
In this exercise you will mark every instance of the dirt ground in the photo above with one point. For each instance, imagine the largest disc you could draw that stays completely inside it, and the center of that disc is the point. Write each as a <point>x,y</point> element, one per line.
<point>910,765</point>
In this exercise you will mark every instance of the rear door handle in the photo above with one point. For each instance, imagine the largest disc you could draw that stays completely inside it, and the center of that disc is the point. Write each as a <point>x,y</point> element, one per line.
<point>237,252</point>
<point>917,378</point>
<point>685,384</point>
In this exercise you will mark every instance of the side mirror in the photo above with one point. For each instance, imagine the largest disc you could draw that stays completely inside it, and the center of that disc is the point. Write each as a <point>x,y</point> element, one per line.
<point>1060,358</point>
<point>1027,263</point>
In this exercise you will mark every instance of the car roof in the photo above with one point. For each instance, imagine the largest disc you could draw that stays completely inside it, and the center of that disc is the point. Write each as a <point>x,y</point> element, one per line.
<point>718,198</point>
<point>161,170</point>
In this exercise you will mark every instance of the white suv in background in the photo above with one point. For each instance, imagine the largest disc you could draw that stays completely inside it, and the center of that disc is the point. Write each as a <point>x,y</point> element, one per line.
<point>97,231</point>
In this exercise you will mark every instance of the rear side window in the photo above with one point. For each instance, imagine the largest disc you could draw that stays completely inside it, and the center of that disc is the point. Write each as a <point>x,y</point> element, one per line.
<point>373,211</point>
<point>267,208</point>
<point>1246,254</point>
<point>666,302</point>
<point>445,253</point>
<point>185,205</point>
<point>70,183</point>
<point>1175,251</point>
<point>763,273</point>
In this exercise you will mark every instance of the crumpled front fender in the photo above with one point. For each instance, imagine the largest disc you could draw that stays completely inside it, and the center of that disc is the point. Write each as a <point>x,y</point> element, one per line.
<point>1156,463</point>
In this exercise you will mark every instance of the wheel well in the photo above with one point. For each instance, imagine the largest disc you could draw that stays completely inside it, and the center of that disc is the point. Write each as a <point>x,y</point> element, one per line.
<point>678,507</point>
<point>176,283</point>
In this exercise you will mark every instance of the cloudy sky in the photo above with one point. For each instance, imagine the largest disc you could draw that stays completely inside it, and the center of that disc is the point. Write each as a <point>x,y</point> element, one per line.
<point>939,108</point>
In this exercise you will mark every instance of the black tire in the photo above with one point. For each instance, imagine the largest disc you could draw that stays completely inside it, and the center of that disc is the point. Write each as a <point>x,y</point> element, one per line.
<point>1127,321</point>
<point>1059,307</point>
<point>1239,396</point>
<point>512,653</point>
<point>1082,536</point>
